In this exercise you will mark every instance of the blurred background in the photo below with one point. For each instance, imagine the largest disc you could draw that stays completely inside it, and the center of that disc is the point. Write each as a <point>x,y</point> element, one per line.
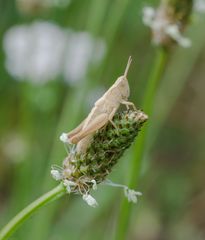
<point>57,57</point>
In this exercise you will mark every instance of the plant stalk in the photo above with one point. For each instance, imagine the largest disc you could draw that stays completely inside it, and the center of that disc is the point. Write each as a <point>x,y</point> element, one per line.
<point>138,152</point>
<point>22,216</point>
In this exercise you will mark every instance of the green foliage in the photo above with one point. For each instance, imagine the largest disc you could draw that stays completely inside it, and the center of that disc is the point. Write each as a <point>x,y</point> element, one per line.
<point>32,117</point>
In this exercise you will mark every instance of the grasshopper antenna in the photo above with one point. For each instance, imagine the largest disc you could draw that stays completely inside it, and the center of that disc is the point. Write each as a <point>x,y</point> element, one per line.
<point>128,66</point>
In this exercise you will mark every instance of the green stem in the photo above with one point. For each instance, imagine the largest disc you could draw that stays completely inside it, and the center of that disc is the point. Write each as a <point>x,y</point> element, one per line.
<point>135,166</point>
<point>54,194</point>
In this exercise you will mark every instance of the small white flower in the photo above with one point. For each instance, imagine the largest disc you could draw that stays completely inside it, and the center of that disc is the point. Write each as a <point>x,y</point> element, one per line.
<point>131,195</point>
<point>56,174</point>
<point>148,16</point>
<point>174,33</point>
<point>64,138</point>
<point>94,184</point>
<point>68,184</point>
<point>90,200</point>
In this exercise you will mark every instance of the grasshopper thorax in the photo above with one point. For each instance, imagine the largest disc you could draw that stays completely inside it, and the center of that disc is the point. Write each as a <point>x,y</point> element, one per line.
<point>123,87</point>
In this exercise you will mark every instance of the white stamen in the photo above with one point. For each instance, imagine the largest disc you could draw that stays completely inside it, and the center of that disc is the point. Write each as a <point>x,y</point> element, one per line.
<point>131,195</point>
<point>173,32</point>
<point>110,183</point>
<point>56,174</point>
<point>94,184</point>
<point>148,16</point>
<point>90,200</point>
<point>68,171</point>
<point>68,184</point>
<point>64,138</point>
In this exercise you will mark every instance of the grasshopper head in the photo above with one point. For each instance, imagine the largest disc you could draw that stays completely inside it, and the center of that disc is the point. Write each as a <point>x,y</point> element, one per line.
<point>122,82</point>
<point>121,86</point>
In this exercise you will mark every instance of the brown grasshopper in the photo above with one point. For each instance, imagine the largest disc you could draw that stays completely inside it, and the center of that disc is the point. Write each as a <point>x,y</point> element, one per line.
<point>103,110</point>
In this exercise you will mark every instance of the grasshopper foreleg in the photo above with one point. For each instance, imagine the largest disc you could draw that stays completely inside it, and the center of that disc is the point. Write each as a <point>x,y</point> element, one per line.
<point>127,104</point>
<point>111,117</point>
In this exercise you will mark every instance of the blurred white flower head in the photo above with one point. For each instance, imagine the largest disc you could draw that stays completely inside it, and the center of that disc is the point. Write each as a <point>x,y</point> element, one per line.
<point>32,6</point>
<point>161,27</point>
<point>82,49</point>
<point>173,31</point>
<point>15,147</point>
<point>148,15</point>
<point>199,6</point>
<point>42,51</point>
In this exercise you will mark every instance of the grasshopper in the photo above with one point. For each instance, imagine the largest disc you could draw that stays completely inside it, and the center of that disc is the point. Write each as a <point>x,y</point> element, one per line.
<point>103,111</point>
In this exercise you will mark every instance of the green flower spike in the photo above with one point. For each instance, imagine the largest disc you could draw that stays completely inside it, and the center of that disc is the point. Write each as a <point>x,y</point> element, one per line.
<point>81,172</point>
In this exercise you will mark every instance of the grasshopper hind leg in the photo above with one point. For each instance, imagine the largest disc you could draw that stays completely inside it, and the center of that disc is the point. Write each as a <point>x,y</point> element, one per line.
<point>93,126</point>
<point>77,129</point>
